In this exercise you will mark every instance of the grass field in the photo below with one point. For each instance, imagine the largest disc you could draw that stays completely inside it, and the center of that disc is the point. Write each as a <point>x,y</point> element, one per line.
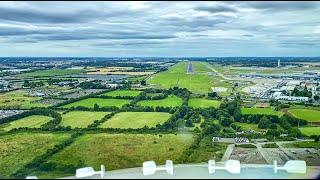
<point>118,151</point>
<point>18,99</point>
<point>305,144</point>
<point>101,102</point>
<point>176,75</point>
<point>122,93</point>
<point>207,150</point>
<point>51,72</point>
<point>203,103</point>
<point>247,126</point>
<point>34,121</point>
<point>18,149</point>
<point>267,111</point>
<point>81,119</point>
<point>270,145</point>
<point>310,130</point>
<point>135,120</point>
<point>170,101</point>
<point>307,114</point>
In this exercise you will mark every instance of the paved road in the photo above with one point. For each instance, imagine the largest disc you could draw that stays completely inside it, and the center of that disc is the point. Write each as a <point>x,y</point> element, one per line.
<point>190,69</point>
<point>227,153</point>
<point>264,153</point>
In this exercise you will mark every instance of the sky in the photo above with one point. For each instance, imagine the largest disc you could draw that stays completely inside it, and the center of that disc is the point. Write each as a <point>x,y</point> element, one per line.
<point>159,28</point>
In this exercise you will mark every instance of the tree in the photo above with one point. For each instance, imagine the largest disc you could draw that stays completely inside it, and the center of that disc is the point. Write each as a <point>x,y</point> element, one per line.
<point>264,123</point>
<point>273,132</point>
<point>316,97</point>
<point>189,123</point>
<point>273,126</point>
<point>143,83</point>
<point>316,139</point>
<point>95,107</point>
<point>227,121</point>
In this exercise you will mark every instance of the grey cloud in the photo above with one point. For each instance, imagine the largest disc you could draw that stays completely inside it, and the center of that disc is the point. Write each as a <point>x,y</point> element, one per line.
<point>216,9</point>
<point>280,6</point>
<point>128,43</point>
<point>67,37</point>
<point>40,16</point>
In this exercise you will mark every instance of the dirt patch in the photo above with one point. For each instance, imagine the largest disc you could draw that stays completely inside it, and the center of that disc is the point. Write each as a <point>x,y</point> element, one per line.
<point>247,156</point>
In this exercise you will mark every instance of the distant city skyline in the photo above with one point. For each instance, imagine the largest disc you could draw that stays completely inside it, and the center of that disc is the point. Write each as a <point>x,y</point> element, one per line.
<point>159,29</point>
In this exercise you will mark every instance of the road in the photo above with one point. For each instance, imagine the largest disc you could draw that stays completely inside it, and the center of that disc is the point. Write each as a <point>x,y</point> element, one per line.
<point>190,69</point>
<point>227,153</point>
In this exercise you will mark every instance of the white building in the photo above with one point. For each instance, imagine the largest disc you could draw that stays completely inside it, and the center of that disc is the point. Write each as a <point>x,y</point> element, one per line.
<point>292,98</point>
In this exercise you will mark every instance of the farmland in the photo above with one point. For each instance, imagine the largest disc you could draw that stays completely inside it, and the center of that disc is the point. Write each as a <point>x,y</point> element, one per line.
<point>51,72</point>
<point>117,151</point>
<point>18,149</point>
<point>267,111</point>
<point>203,103</point>
<point>100,101</point>
<point>307,114</point>
<point>81,119</point>
<point>170,101</point>
<point>134,120</point>
<point>122,93</point>
<point>34,121</point>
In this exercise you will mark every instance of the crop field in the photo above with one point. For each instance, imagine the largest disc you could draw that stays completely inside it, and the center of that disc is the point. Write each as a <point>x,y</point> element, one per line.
<point>310,130</point>
<point>81,119</point>
<point>247,126</point>
<point>307,114</point>
<point>118,151</point>
<point>170,101</point>
<point>19,149</point>
<point>176,76</point>
<point>34,121</point>
<point>135,120</point>
<point>18,99</point>
<point>51,72</point>
<point>100,101</point>
<point>122,93</point>
<point>207,150</point>
<point>267,111</point>
<point>203,103</point>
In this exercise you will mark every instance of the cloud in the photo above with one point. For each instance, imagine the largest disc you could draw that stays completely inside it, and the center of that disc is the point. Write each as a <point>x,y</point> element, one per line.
<point>280,6</point>
<point>216,9</point>
<point>184,28</point>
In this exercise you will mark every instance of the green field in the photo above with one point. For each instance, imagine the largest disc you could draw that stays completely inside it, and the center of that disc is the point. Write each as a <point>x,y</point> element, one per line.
<point>122,93</point>
<point>136,120</point>
<point>101,102</point>
<point>51,72</point>
<point>267,111</point>
<point>81,119</point>
<point>34,121</point>
<point>247,126</point>
<point>207,150</point>
<point>310,130</point>
<point>307,114</point>
<point>19,149</point>
<point>118,151</point>
<point>176,76</point>
<point>305,144</point>
<point>170,101</point>
<point>203,103</point>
